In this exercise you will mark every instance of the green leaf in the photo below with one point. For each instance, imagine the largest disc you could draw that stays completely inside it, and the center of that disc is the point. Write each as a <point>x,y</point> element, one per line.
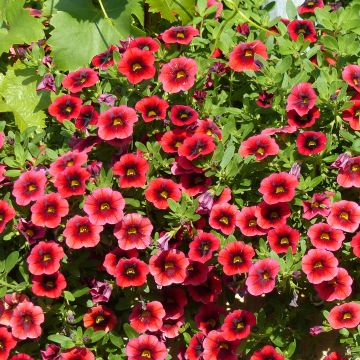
<point>69,296</point>
<point>129,331</point>
<point>97,335</point>
<point>11,261</point>
<point>64,341</point>
<point>291,9</point>
<point>169,8</point>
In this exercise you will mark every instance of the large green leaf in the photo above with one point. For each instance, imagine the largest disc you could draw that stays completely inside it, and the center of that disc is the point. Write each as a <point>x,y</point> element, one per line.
<point>168,9</point>
<point>81,30</point>
<point>16,25</point>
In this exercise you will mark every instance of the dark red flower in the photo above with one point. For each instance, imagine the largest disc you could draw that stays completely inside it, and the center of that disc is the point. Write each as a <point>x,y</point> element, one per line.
<point>132,170</point>
<point>352,115</point>
<point>202,247</point>
<point>344,215</point>
<point>113,257</point>
<point>152,108</point>
<point>29,186</point>
<point>236,257</point>
<point>355,244</point>
<point>309,6</point>
<point>45,258</point>
<point>79,232</point>
<point>272,216</point>
<point>282,238</point>
<point>246,221</point>
<point>261,277</point>
<point>351,74</point>
<point>182,115</point>
<point>349,175</point>
<point>7,305</point>
<point>171,327</point>
<point>243,56</point>
<point>194,184</point>
<point>26,321</point>
<point>50,286</point>
<point>172,140</point>
<point>346,315</point>
<point>335,356</point>
<point>168,267</point>
<point>100,318</point>
<point>104,206</point>
<point>7,343</point>
<point>117,123</point>
<point>7,213</point>
<point>87,116</point>
<point>196,146</point>
<point>261,146</point>
<point>145,347</point>
<point>304,27</point>
<point>195,348</point>
<point>160,190</point>
<point>137,65</point>
<point>304,121</point>
<point>216,347</point>
<point>208,127</point>
<point>302,99</point>
<point>144,43</point>
<point>179,35</point>
<point>147,317</point>
<point>319,265</point>
<point>278,187</point>
<point>196,273</point>
<point>48,210</point>
<point>174,301</point>
<point>133,231</point>
<point>77,80</point>
<point>268,352</point>
<point>339,288</point>
<point>208,317</point>
<point>131,272</point>
<point>77,353</point>
<point>237,325</point>
<point>21,356</point>
<point>104,59</point>
<point>65,107</point>
<point>311,142</point>
<point>71,158</point>
<point>223,217</point>
<point>323,236</point>
<point>264,100</point>
<point>71,181</point>
<point>319,205</point>
<point>178,74</point>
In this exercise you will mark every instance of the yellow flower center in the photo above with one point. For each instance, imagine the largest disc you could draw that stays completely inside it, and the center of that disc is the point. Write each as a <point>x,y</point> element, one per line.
<point>324,236</point>
<point>355,167</point>
<point>279,189</point>
<point>146,354</point>
<point>83,229</point>
<point>344,215</point>
<point>284,241</point>
<point>117,121</point>
<point>180,74</point>
<point>164,194</point>
<point>260,151</point>
<point>50,209</point>
<point>136,67</point>
<point>237,259</point>
<point>266,275</point>
<point>99,319</point>
<point>130,271</point>
<point>315,204</point>
<point>130,172</point>
<point>249,53</point>
<point>32,187</point>
<point>29,232</point>
<point>180,35</point>
<point>168,265</point>
<point>46,257</point>
<point>224,345</point>
<point>355,81</point>
<point>152,113</point>
<point>74,183</point>
<point>68,109</point>
<point>240,325</point>
<point>347,315</point>
<point>104,206</point>
<point>318,265</point>
<point>252,223</point>
<point>274,215</point>
<point>132,231</point>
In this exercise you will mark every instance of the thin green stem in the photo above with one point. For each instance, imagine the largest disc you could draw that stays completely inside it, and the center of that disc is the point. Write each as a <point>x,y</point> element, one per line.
<point>103,10</point>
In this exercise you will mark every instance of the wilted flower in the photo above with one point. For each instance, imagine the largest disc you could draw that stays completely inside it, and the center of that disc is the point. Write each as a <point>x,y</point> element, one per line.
<point>107,99</point>
<point>47,83</point>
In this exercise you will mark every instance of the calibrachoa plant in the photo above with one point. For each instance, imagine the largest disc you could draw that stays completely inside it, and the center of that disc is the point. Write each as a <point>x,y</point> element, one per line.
<point>195,192</point>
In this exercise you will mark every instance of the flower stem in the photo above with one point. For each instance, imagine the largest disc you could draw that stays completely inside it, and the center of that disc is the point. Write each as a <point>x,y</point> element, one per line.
<point>103,10</point>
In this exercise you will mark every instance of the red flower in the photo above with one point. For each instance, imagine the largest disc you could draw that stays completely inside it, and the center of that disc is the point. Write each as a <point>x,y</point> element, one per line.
<point>104,206</point>
<point>208,317</point>
<point>88,116</point>
<point>104,59</point>
<point>334,356</point>
<point>160,190</point>
<point>351,74</point>
<point>26,320</point>
<point>243,56</point>
<point>223,217</point>
<point>144,43</point>
<point>247,223</point>
<point>77,353</point>
<point>178,74</point>
<point>194,184</point>
<point>236,258</point>
<point>319,265</point>
<point>266,353</point>
<point>196,273</point>
<point>131,272</point>
<point>319,205</point>
<point>6,214</point>
<point>202,247</point>
<point>7,343</point>
<point>152,108</point>
<point>30,186</point>
<point>264,100</point>
<point>349,175</point>
<point>113,257</point>
<point>344,215</point>
<point>179,35</point>
<point>309,6</point>
<point>272,216</point>
<point>132,170</point>
<point>100,318</point>
<point>261,277</point>
<point>311,142</point>
<point>65,107</point>
<point>117,123</point>
<point>172,140</point>
<point>21,356</point>
<point>195,349</point>
<point>196,146</point>
<point>181,115</point>
<point>261,146</point>
<point>48,210</point>
<point>174,301</point>
<point>355,244</point>
<point>304,121</point>
<point>216,347</point>
<point>45,258</point>
<point>50,286</point>
<point>71,181</point>
<point>304,27</point>
<point>302,98</point>
<point>278,187</point>
<point>137,65</point>
<point>71,158</point>
<point>283,237</point>
<point>339,288</point>
<point>323,236</point>
<point>145,347</point>
<point>237,325</point>
<point>80,232</point>
<point>77,80</point>
<point>168,267</point>
<point>7,305</point>
<point>147,317</point>
<point>346,315</point>
<point>133,231</point>
<point>208,127</point>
